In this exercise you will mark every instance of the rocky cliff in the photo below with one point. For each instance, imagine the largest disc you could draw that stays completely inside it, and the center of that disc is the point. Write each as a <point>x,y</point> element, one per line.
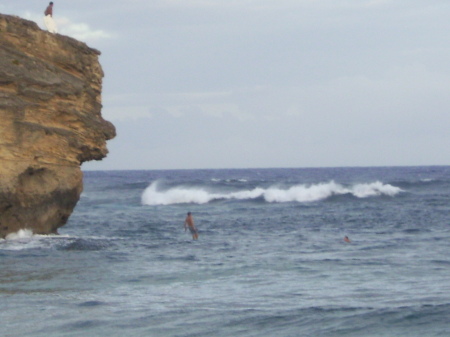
<point>50,123</point>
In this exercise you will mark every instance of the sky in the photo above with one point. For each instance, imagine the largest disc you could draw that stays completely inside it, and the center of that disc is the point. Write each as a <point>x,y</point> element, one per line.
<point>193,84</point>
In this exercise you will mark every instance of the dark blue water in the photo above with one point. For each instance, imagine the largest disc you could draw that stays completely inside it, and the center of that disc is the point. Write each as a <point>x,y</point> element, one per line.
<point>270,259</point>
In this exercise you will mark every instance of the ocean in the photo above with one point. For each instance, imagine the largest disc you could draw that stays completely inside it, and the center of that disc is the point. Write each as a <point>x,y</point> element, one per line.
<point>270,260</point>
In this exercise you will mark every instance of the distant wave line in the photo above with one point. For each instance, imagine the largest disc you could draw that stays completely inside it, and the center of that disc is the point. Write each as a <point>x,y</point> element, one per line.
<point>297,193</point>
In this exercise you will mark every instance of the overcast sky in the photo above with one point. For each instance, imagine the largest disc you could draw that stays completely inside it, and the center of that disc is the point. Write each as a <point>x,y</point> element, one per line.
<point>266,83</point>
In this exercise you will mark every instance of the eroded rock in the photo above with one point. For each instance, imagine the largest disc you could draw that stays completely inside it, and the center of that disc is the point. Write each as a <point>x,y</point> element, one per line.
<point>50,123</point>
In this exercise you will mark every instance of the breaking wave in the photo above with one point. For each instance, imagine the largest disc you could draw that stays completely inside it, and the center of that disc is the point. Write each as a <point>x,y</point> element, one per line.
<point>19,235</point>
<point>24,239</point>
<point>297,193</point>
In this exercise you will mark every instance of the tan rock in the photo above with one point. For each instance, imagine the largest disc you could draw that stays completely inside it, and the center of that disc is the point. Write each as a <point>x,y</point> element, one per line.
<point>50,123</point>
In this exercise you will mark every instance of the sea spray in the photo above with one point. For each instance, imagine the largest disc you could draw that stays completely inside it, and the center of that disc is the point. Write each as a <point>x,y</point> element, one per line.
<point>20,234</point>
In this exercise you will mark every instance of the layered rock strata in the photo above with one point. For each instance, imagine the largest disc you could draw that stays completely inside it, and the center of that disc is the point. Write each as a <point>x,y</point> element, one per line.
<point>50,123</point>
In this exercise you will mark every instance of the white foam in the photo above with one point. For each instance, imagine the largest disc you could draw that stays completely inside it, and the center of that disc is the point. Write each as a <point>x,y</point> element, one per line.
<point>22,239</point>
<point>25,239</point>
<point>304,193</point>
<point>296,193</point>
<point>21,234</point>
<point>374,189</point>
<point>179,195</point>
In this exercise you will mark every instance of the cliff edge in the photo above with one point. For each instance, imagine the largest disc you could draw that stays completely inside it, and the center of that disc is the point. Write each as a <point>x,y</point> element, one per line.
<point>50,123</point>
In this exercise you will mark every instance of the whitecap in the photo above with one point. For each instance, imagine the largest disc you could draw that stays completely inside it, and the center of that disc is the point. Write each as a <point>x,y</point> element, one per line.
<point>275,194</point>
<point>178,195</point>
<point>375,189</point>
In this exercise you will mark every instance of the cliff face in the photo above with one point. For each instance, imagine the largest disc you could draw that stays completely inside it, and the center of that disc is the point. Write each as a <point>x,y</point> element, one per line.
<point>50,123</point>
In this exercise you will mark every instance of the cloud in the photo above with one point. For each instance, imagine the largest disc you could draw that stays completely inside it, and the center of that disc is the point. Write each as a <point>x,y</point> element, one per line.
<point>238,83</point>
<point>260,4</point>
<point>80,31</point>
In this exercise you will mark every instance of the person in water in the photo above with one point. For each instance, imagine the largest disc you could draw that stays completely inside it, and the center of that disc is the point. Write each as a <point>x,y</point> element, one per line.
<point>189,223</point>
<point>346,239</point>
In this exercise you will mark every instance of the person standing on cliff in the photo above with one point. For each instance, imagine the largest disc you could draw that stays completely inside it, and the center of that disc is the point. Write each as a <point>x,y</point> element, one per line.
<point>48,19</point>
<point>189,223</point>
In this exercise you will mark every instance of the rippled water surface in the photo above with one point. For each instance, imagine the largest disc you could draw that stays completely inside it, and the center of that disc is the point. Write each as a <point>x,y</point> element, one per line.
<point>270,259</point>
